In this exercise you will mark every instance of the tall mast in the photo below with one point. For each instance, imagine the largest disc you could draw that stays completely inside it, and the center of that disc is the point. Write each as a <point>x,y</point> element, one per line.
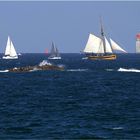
<point>103,36</point>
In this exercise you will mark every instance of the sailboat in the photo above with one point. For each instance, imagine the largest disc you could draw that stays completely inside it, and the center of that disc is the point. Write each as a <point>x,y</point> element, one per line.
<point>54,52</point>
<point>10,52</point>
<point>100,48</point>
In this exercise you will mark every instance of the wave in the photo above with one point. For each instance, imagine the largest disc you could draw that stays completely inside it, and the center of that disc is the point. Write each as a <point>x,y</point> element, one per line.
<point>4,70</point>
<point>85,58</point>
<point>34,69</point>
<point>77,70</point>
<point>117,128</point>
<point>44,62</point>
<point>128,70</point>
<point>109,69</point>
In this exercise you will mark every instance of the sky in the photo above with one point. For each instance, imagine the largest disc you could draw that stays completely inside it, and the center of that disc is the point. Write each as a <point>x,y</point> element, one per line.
<point>33,25</point>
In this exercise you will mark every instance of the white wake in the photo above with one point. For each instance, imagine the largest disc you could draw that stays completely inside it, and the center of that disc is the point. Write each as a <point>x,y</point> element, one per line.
<point>4,70</point>
<point>128,70</point>
<point>74,70</point>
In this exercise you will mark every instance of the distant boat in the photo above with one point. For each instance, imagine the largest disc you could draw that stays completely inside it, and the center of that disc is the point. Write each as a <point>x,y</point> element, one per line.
<point>10,52</point>
<point>54,54</point>
<point>99,47</point>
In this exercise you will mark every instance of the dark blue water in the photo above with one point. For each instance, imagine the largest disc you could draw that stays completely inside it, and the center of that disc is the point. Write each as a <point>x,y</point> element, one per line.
<point>89,100</point>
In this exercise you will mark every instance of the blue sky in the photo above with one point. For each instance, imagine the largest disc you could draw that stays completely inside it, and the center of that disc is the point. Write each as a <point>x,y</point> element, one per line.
<point>33,25</point>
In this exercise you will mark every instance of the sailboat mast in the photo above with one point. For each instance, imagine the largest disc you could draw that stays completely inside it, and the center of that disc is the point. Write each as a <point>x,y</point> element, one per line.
<point>103,36</point>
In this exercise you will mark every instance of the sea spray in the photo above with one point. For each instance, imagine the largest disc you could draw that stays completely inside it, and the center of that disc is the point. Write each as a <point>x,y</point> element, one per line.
<point>44,62</point>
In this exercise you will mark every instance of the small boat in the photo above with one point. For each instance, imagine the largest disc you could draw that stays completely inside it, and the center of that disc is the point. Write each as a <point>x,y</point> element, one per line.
<point>54,52</point>
<point>100,48</point>
<point>10,52</point>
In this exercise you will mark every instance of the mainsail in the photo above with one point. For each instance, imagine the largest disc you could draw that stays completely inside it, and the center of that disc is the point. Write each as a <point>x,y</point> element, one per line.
<point>8,46</point>
<point>93,45</point>
<point>53,50</point>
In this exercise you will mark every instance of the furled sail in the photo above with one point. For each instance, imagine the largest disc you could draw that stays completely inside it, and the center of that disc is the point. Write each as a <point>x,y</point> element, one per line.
<point>115,46</point>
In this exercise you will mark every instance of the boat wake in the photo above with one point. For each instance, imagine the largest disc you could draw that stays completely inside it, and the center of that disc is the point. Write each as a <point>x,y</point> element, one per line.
<point>75,70</point>
<point>4,71</point>
<point>128,70</point>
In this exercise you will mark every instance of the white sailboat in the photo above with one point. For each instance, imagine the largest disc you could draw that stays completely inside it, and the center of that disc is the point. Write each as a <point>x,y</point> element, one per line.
<point>101,48</point>
<point>54,52</point>
<point>10,52</point>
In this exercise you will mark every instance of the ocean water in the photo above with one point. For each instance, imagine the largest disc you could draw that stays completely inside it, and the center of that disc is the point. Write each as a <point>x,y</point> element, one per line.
<point>88,100</point>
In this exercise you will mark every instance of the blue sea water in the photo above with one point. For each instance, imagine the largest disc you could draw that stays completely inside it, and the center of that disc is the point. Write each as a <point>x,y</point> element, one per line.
<point>88,100</point>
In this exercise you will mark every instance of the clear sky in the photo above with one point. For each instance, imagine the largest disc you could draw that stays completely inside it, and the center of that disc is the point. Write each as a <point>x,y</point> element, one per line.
<point>33,25</point>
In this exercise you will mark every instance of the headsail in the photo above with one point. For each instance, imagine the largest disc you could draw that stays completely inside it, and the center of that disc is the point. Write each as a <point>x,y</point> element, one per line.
<point>12,51</point>
<point>115,46</point>
<point>108,47</point>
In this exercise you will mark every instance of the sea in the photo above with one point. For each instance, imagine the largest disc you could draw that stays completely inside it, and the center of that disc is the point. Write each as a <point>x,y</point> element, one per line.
<point>87,100</point>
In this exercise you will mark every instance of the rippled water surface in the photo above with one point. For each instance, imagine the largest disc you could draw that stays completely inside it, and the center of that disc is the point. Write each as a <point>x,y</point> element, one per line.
<point>89,99</point>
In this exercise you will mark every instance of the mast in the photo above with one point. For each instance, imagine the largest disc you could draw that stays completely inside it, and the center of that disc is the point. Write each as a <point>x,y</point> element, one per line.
<point>103,36</point>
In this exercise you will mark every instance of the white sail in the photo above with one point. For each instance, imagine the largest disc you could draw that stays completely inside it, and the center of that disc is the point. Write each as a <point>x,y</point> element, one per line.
<point>108,47</point>
<point>94,45</point>
<point>115,46</point>
<point>12,51</point>
<point>7,50</point>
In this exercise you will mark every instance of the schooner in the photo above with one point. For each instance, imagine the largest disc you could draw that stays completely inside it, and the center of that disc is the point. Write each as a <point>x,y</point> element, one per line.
<point>101,48</point>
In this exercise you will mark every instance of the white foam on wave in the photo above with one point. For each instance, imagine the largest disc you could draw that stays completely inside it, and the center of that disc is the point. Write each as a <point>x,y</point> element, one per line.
<point>34,69</point>
<point>128,70</point>
<point>61,65</point>
<point>109,69</point>
<point>77,70</point>
<point>117,128</point>
<point>85,58</point>
<point>44,62</point>
<point>4,70</point>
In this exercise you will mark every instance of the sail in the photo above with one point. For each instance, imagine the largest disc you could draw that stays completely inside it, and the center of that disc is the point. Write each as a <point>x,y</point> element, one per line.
<point>7,50</point>
<point>57,53</point>
<point>94,45</point>
<point>108,47</point>
<point>12,50</point>
<point>115,46</point>
<point>53,50</point>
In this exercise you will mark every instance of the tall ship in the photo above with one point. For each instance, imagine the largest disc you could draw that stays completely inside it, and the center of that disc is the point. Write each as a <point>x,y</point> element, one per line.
<point>54,54</point>
<point>100,48</point>
<point>10,52</point>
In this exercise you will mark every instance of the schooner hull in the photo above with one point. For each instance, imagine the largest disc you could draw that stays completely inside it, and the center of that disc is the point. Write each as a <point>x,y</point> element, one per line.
<point>104,57</point>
